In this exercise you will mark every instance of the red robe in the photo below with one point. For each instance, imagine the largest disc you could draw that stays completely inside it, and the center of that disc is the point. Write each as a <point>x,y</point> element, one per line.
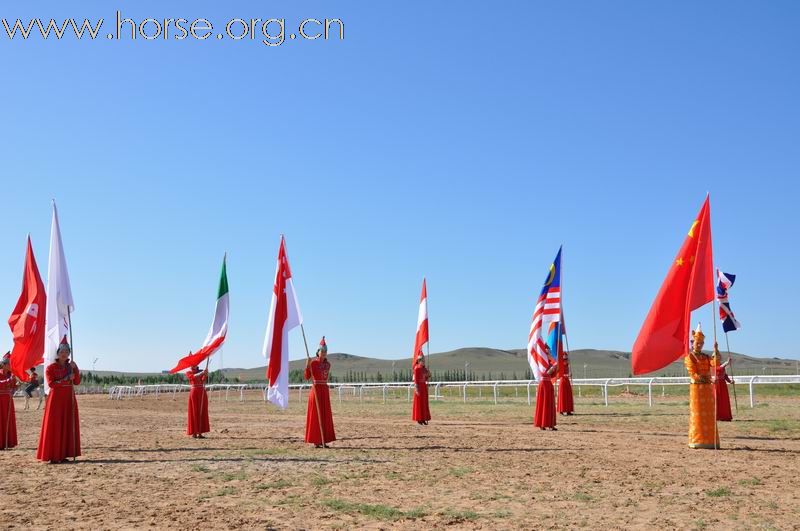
<point>61,429</point>
<point>197,418</point>
<point>8,418</point>
<point>723,398</point>
<point>420,411</point>
<point>319,395</point>
<point>545,416</point>
<point>565,402</point>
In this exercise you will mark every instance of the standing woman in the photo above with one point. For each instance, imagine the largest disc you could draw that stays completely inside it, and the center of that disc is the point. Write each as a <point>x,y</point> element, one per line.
<point>197,423</point>
<point>565,402</point>
<point>61,433</point>
<point>545,415</point>
<point>319,399</point>
<point>8,418</point>
<point>721,388</point>
<point>420,411</point>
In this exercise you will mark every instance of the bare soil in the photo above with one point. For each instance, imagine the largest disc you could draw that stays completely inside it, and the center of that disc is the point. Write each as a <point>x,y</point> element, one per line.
<point>477,465</point>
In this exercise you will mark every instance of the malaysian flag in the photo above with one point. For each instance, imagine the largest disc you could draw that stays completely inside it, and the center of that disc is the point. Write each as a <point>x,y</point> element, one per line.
<point>729,322</point>
<point>546,321</point>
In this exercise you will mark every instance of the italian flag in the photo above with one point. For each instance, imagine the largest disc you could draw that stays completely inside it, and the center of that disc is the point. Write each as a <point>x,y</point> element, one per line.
<point>219,327</point>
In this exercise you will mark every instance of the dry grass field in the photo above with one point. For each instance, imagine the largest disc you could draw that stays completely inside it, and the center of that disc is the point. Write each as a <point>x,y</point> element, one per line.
<point>476,466</point>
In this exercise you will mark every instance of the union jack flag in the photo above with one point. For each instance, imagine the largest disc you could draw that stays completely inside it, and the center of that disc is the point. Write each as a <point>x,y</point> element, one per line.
<point>546,321</point>
<point>729,322</point>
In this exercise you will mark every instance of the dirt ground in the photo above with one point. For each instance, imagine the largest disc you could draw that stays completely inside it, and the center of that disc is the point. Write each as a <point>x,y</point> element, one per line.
<point>477,465</point>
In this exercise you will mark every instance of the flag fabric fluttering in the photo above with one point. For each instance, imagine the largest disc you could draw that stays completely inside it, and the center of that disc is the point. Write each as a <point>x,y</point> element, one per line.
<point>546,320</point>
<point>219,326</point>
<point>724,283</point>
<point>284,315</point>
<point>27,321</point>
<point>59,296</point>
<point>689,284</point>
<point>421,339</point>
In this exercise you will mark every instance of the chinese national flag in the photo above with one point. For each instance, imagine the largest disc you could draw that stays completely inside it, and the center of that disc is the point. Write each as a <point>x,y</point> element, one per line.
<point>664,336</point>
<point>27,320</point>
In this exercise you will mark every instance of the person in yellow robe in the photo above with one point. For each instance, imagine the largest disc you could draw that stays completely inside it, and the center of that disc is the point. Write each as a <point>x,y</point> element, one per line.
<point>702,409</point>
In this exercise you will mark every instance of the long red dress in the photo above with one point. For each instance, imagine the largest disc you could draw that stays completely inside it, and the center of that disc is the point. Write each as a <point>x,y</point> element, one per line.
<point>565,402</point>
<point>197,419</point>
<point>319,394</point>
<point>8,418</point>
<point>420,410</point>
<point>545,416</point>
<point>723,398</point>
<point>61,429</point>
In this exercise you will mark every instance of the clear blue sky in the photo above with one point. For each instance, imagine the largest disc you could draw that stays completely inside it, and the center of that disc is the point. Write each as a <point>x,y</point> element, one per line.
<point>462,140</point>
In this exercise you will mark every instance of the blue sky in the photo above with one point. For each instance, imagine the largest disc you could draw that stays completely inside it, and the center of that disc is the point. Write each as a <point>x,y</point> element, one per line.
<point>463,141</point>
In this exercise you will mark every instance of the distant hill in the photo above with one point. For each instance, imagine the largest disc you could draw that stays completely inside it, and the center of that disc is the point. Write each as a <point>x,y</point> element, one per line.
<point>495,363</point>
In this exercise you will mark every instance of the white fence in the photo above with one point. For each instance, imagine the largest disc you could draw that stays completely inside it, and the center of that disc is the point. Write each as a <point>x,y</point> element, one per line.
<point>119,392</point>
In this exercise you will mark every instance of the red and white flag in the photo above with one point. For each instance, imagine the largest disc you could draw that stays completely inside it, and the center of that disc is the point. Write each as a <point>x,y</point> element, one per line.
<point>219,326</point>
<point>284,315</point>
<point>422,324</point>
<point>27,320</point>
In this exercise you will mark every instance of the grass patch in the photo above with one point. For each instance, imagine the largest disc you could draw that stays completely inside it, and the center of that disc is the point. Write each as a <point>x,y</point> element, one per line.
<point>268,451</point>
<point>320,481</point>
<point>200,468</point>
<point>582,496</point>
<point>719,493</point>
<point>279,484</point>
<point>501,514</point>
<point>460,471</point>
<point>377,511</point>
<point>459,516</point>
<point>754,482</point>
<point>224,491</point>
<point>233,476</point>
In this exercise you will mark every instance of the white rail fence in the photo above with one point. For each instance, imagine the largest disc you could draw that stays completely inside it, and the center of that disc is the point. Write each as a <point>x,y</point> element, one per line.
<point>118,392</point>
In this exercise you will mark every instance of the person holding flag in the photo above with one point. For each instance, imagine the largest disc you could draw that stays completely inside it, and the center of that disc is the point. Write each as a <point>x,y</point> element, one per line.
<point>319,417</point>
<point>420,410</point>
<point>197,421</point>
<point>545,413</point>
<point>664,336</point>
<point>8,418</point>
<point>721,396</point>
<point>60,437</point>
<point>565,400</point>
<point>545,328</point>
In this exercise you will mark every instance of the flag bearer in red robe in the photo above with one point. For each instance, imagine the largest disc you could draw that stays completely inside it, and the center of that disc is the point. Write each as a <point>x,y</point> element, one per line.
<point>197,420</point>
<point>8,418</point>
<point>545,416</point>
<point>61,434</point>
<point>420,411</point>
<point>565,402</point>
<point>721,389</point>
<point>319,401</point>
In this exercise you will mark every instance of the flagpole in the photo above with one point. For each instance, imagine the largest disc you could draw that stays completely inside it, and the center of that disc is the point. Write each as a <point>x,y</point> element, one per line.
<point>73,402</point>
<point>733,377</point>
<point>714,376</point>
<point>314,386</point>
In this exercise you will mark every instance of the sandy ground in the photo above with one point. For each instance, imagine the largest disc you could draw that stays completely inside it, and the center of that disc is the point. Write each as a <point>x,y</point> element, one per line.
<point>476,466</point>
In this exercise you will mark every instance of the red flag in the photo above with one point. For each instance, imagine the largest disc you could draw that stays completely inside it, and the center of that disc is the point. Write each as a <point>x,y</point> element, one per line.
<point>664,336</point>
<point>27,320</point>
<point>422,324</point>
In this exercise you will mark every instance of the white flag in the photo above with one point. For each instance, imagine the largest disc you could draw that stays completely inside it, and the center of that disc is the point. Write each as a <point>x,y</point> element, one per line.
<point>59,296</point>
<point>284,315</point>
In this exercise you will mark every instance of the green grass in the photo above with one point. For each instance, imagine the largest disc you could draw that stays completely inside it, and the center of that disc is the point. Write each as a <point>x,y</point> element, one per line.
<point>320,481</point>
<point>200,468</point>
<point>459,516</point>
<point>377,511</point>
<point>233,476</point>
<point>582,496</point>
<point>754,482</point>
<point>278,484</point>
<point>719,492</point>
